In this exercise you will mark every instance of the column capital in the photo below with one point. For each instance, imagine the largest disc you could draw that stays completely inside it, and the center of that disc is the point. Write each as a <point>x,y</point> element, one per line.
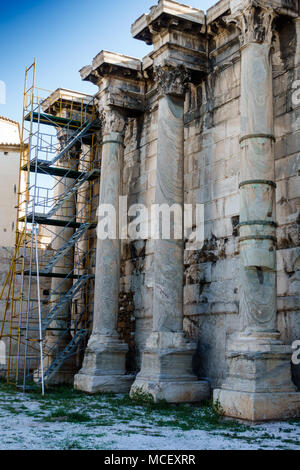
<point>255,20</point>
<point>171,80</point>
<point>112,119</point>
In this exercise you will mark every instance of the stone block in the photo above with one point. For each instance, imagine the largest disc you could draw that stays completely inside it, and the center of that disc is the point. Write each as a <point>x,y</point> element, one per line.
<point>167,374</point>
<point>232,205</point>
<point>217,171</point>
<point>222,228</point>
<point>93,384</point>
<point>177,391</point>
<point>226,269</point>
<point>219,132</point>
<point>214,210</point>
<point>287,167</point>
<point>258,407</point>
<point>293,142</point>
<point>294,186</point>
<point>233,125</point>
<point>202,195</point>
<point>103,368</point>
<point>225,187</point>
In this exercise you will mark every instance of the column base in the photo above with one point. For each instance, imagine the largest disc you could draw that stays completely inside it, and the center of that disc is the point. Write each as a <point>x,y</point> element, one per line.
<point>259,386</point>
<point>257,407</point>
<point>94,384</point>
<point>103,369</point>
<point>167,373</point>
<point>179,391</point>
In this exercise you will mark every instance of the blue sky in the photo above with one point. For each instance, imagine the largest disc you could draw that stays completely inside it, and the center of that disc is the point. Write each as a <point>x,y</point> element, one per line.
<point>64,35</point>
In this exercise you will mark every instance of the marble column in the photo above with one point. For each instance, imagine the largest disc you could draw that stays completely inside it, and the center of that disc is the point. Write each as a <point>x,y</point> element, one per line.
<point>166,371</point>
<point>259,385</point>
<point>257,194</point>
<point>104,363</point>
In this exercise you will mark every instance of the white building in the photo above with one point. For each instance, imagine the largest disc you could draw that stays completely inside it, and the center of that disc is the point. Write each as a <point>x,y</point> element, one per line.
<point>10,139</point>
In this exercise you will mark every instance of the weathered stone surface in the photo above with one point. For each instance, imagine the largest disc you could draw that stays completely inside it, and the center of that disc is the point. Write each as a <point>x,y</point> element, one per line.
<point>166,371</point>
<point>104,368</point>
<point>93,384</point>
<point>259,364</point>
<point>258,406</point>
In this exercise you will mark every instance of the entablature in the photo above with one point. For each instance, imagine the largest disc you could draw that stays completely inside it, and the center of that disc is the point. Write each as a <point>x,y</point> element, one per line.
<point>119,79</point>
<point>165,15</point>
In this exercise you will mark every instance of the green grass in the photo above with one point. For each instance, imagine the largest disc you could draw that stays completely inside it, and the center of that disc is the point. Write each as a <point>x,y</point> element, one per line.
<point>69,405</point>
<point>98,414</point>
<point>61,414</point>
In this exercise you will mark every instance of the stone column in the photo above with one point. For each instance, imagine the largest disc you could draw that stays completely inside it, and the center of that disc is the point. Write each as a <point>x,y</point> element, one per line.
<point>58,335</point>
<point>82,246</point>
<point>104,363</point>
<point>166,371</point>
<point>257,187</point>
<point>259,385</point>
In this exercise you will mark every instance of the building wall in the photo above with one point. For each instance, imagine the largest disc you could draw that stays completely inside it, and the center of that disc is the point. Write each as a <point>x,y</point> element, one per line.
<point>9,170</point>
<point>211,177</point>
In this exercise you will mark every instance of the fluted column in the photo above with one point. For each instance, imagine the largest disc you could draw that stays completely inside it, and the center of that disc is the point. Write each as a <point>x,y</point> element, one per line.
<point>168,253</point>
<point>104,363</point>
<point>107,282</point>
<point>259,385</point>
<point>166,371</point>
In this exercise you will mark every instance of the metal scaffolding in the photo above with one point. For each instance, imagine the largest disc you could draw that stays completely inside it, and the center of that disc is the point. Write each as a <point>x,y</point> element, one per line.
<point>58,191</point>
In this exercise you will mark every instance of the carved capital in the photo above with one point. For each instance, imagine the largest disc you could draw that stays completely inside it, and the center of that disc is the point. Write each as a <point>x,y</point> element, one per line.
<point>171,80</point>
<point>255,22</point>
<point>112,119</point>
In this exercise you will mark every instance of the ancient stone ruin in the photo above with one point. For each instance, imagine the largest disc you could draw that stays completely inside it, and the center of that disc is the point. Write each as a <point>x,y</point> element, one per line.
<point>211,116</point>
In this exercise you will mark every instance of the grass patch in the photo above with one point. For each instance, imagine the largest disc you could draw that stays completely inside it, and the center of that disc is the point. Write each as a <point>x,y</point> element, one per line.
<point>61,414</point>
<point>125,416</point>
<point>12,409</point>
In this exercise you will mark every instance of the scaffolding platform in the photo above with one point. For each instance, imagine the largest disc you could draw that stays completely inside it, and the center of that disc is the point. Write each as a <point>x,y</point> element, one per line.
<point>50,120</point>
<point>55,275</point>
<point>42,220</point>
<point>43,167</point>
